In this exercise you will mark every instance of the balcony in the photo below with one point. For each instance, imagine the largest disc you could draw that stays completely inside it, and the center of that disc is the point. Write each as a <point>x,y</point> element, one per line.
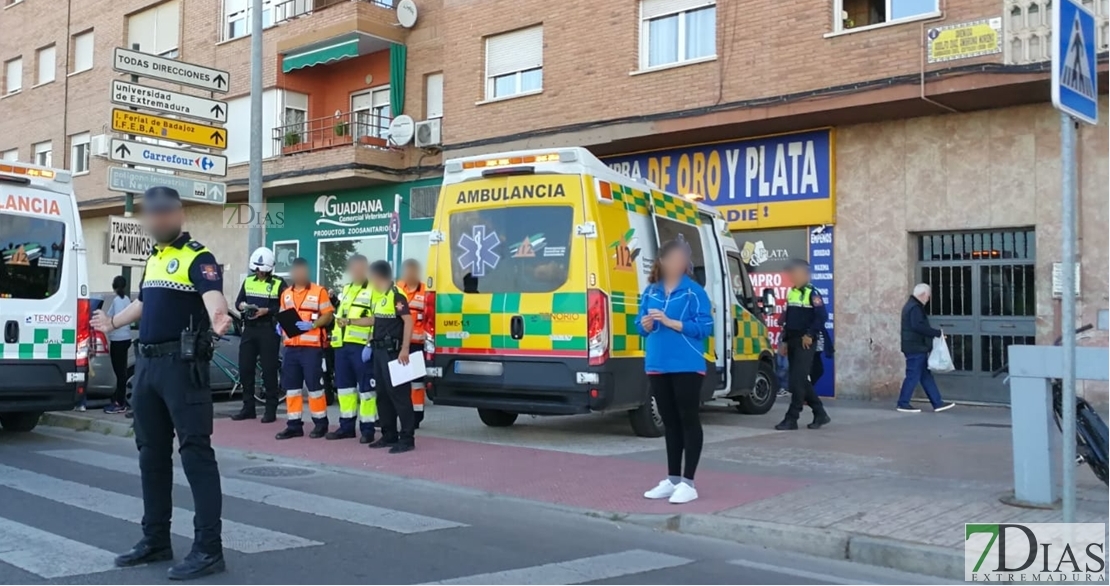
<point>335,30</point>
<point>364,129</point>
<point>1028,29</point>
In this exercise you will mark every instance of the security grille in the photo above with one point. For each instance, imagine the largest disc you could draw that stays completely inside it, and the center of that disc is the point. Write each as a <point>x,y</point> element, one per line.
<point>422,202</point>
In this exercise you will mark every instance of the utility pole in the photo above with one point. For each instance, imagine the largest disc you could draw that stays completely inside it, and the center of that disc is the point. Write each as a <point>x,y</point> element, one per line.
<point>129,198</point>
<point>254,187</point>
<point>1067,310</point>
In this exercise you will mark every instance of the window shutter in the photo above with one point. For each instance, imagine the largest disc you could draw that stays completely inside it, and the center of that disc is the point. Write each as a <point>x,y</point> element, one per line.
<point>296,101</point>
<point>83,52</point>
<point>14,75</point>
<point>363,101</point>
<point>167,26</point>
<point>516,51</point>
<point>47,64</point>
<point>433,96</point>
<point>140,30</point>
<point>655,8</point>
<point>234,6</point>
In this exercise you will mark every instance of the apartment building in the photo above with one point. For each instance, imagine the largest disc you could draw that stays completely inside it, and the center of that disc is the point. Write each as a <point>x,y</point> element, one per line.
<point>888,141</point>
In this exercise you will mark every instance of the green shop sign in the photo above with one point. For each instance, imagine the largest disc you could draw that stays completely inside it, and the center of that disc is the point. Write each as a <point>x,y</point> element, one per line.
<point>327,228</point>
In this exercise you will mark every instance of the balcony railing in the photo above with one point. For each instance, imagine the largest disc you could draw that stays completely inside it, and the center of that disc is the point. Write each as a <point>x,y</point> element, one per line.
<point>1028,29</point>
<point>351,128</point>
<point>293,8</point>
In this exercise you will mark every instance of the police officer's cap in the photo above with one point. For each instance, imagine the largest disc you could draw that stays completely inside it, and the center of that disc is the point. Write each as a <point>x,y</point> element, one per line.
<point>797,263</point>
<point>161,199</point>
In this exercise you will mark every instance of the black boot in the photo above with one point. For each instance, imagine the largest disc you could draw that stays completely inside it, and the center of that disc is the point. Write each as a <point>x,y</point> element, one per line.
<point>144,553</point>
<point>819,421</point>
<point>196,565</point>
<point>318,432</point>
<point>340,434</point>
<point>269,416</point>
<point>365,438</point>
<point>289,432</point>
<point>245,413</point>
<point>787,424</point>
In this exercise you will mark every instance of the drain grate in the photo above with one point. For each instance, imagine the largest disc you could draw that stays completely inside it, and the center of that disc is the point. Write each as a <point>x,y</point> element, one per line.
<point>276,471</point>
<point>997,425</point>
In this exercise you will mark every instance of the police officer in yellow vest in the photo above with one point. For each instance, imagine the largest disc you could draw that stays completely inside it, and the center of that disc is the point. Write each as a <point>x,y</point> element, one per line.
<point>802,324</point>
<point>258,302</point>
<point>393,323</point>
<point>353,321</point>
<point>180,306</point>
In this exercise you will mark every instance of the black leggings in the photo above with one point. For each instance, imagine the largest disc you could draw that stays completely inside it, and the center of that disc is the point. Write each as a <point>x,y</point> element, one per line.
<point>118,352</point>
<point>678,396</point>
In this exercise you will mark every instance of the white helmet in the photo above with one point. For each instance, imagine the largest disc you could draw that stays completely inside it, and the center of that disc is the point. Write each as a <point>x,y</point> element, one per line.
<point>262,259</point>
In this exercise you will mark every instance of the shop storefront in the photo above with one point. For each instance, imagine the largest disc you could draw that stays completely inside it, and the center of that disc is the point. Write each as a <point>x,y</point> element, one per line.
<point>386,222</point>
<point>778,194</point>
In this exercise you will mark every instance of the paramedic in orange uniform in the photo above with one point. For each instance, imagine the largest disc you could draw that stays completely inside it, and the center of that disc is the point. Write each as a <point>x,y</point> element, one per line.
<point>414,290</point>
<point>303,362</point>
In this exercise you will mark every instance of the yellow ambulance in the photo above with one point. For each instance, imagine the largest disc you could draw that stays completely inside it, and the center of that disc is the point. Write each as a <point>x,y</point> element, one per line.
<point>535,269</point>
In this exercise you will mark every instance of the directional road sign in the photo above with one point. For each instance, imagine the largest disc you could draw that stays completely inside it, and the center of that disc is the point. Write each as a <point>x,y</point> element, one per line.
<point>158,127</point>
<point>150,98</point>
<point>136,181</point>
<point>152,155</point>
<point>1074,67</point>
<point>155,67</point>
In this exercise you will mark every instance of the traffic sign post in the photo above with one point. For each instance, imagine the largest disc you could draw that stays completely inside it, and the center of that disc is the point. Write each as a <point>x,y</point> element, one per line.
<point>135,181</point>
<point>1075,94</point>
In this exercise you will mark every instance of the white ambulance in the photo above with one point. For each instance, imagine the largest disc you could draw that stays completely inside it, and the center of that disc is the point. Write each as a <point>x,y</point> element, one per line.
<point>44,295</point>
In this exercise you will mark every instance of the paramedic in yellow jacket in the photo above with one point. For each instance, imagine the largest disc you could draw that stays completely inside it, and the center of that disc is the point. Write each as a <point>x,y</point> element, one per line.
<point>353,321</point>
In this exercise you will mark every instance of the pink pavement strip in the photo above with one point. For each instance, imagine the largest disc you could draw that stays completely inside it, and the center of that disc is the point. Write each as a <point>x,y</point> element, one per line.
<point>599,483</point>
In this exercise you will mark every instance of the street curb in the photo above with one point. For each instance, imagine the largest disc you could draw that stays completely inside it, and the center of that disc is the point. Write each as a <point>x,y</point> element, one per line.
<point>828,543</point>
<point>79,423</point>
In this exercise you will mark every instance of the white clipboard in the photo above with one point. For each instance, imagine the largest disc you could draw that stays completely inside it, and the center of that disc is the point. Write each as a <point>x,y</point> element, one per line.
<point>400,374</point>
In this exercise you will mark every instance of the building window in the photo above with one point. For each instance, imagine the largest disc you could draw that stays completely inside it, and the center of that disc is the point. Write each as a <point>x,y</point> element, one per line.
<point>47,62</point>
<point>79,157</point>
<point>43,154</point>
<point>10,155</point>
<point>82,52</point>
<point>514,63</point>
<point>422,202</point>
<point>851,14</point>
<point>156,29</point>
<point>295,118</point>
<point>677,31</point>
<point>433,96</point>
<point>371,113</point>
<point>237,15</point>
<point>13,75</point>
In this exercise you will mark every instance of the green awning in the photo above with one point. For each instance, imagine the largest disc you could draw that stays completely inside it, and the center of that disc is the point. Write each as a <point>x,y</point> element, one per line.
<point>307,58</point>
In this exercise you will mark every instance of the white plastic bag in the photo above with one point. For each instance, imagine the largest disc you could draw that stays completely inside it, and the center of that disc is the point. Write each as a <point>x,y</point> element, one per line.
<point>940,360</point>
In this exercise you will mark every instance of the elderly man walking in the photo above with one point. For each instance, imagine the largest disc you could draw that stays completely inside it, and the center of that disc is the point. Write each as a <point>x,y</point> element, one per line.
<point>917,342</point>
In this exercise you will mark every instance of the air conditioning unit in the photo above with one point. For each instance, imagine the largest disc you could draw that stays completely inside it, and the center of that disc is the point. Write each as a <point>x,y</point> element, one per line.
<point>427,133</point>
<point>99,145</point>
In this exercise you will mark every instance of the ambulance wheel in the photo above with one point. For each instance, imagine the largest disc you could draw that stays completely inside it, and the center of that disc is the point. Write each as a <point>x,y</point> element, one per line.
<point>19,422</point>
<point>646,421</point>
<point>763,394</point>
<point>496,417</point>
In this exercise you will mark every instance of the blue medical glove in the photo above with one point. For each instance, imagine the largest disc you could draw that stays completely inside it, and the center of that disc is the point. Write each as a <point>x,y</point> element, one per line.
<point>366,353</point>
<point>277,330</point>
<point>304,326</point>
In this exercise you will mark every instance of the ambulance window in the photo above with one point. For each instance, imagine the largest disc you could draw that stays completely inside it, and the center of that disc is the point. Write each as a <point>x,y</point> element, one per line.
<point>741,285</point>
<point>31,251</point>
<point>520,249</point>
<point>671,230</point>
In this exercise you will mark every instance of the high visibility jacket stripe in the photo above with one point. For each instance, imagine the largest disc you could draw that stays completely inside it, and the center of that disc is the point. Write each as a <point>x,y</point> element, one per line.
<point>309,303</point>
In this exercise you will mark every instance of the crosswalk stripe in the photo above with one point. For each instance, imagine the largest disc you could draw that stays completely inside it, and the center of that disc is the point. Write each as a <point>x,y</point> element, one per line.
<point>276,496</point>
<point>805,575</point>
<point>236,536</point>
<point>48,555</point>
<point>579,571</point>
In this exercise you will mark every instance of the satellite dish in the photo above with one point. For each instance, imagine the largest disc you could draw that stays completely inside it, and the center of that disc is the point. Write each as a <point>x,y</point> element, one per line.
<point>406,13</point>
<point>401,130</point>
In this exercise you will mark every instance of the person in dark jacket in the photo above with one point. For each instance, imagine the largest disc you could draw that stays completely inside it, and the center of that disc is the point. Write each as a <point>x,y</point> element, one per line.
<point>917,343</point>
<point>803,323</point>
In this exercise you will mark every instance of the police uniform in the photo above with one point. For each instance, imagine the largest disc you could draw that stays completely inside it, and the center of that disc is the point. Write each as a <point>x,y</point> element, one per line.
<point>302,365</point>
<point>172,395</point>
<point>354,394</point>
<point>260,343</point>
<point>394,402</point>
<point>805,316</point>
<point>415,297</point>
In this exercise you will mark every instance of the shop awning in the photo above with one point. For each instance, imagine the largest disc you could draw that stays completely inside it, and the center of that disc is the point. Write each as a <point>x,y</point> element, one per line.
<point>316,56</point>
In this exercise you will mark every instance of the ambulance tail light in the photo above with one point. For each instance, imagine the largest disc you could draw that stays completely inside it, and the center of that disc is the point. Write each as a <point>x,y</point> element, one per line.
<point>101,344</point>
<point>429,325</point>
<point>84,332</point>
<point>597,324</point>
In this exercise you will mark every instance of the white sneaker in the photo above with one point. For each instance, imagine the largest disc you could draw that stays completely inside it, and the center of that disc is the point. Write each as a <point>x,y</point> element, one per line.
<point>683,493</point>
<point>909,410</point>
<point>663,490</point>
<point>944,407</point>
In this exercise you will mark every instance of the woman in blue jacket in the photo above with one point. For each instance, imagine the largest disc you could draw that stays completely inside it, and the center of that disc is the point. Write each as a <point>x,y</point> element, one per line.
<point>675,319</point>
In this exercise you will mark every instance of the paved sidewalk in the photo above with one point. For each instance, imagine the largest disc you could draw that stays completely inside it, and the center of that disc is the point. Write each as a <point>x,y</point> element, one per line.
<point>876,486</point>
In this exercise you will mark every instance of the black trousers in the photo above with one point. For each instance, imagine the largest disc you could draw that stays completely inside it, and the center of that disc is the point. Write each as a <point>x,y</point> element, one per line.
<point>259,344</point>
<point>801,388</point>
<point>171,396</point>
<point>117,350</point>
<point>394,402</point>
<point>678,397</point>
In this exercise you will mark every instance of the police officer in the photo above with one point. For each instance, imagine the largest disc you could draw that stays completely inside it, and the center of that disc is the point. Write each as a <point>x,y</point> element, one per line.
<point>353,320</point>
<point>413,288</point>
<point>259,301</point>
<point>390,341</point>
<point>803,322</point>
<point>180,306</point>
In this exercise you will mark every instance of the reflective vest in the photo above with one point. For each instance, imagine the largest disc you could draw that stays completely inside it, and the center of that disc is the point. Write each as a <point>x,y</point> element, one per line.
<point>416,307</point>
<point>169,266</point>
<point>799,297</point>
<point>799,309</point>
<point>256,288</point>
<point>310,303</point>
<point>354,302</point>
<point>385,314</point>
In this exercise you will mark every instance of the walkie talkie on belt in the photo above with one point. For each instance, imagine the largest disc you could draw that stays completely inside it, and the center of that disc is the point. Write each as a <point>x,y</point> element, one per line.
<point>189,343</point>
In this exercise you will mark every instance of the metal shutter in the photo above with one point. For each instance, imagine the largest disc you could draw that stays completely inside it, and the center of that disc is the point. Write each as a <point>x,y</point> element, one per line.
<point>516,51</point>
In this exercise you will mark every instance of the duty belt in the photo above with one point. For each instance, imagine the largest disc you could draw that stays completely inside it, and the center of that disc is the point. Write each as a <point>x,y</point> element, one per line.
<point>156,350</point>
<point>388,344</point>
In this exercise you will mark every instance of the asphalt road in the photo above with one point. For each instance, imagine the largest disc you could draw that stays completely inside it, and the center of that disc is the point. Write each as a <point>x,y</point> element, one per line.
<point>69,500</point>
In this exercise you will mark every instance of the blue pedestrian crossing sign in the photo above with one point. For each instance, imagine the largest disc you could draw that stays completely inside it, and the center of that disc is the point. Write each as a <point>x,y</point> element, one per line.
<point>1074,67</point>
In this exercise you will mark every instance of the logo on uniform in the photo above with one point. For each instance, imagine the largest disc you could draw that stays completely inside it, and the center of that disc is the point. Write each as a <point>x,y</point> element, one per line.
<point>400,306</point>
<point>373,383</point>
<point>171,268</point>
<point>209,272</point>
